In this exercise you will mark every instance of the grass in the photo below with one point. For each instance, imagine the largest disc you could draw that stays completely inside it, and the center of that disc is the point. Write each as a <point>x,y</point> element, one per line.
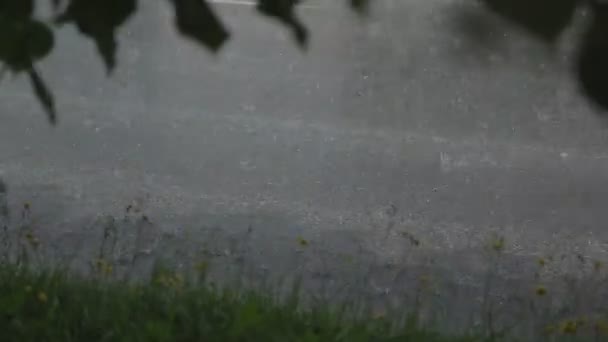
<point>114,303</point>
<point>53,306</point>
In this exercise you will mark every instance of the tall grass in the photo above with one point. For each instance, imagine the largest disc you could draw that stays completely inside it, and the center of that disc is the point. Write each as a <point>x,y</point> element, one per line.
<point>53,306</point>
<point>40,301</point>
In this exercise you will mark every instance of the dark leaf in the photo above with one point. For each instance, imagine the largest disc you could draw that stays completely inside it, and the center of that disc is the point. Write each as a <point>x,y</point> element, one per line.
<point>13,53</point>
<point>39,40</point>
<point>361,6</point>
<point>196,20</point>
<point>106,45</point>
<point>544,18</point>
<point>100,19</point>
<point>23,41</point>
<point>43,94</point>
<point>284,11</point>
<point>593,58</point>
<point>17,9</point>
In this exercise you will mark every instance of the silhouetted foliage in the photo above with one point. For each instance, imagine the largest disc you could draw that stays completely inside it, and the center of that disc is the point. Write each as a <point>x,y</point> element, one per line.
<point>547,19</point>
<point>283,10</point>
<point>25,40</point>
<point>543,18</point>
<point>593,57</point>
<point>99,20</point>
<point>196,20</point>
<point>44,94</point>
<point>360,6</point>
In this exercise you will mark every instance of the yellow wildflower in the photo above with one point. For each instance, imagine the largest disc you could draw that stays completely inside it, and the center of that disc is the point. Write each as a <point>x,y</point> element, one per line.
<point>542,262</point>
<point>499,244</point>
<point>540,290</point>
<point>303,242</point>
<point>103,267</point>
<point>32,239</point>
<point>568,327</point>
<point>42,297</point>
